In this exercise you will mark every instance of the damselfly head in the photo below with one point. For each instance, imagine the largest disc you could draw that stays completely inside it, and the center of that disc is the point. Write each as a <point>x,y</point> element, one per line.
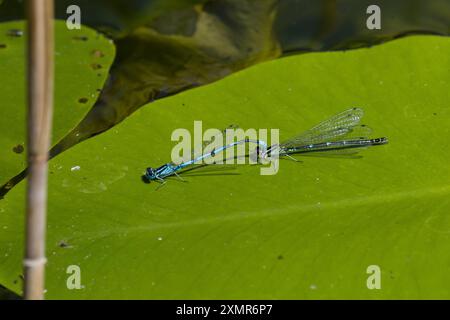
<point>150,174</point>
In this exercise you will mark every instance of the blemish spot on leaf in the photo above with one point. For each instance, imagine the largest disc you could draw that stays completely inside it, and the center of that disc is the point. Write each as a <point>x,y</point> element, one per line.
<point>19,277</point>
<point>83,100</point>
<point>280,257</point>
<point>64,244</point>
<point>98,54</point>
<point>96,66</point>
<point>81,38</point>
<point>14,33</point>
<point>2,46</point>
<point>19,149</point>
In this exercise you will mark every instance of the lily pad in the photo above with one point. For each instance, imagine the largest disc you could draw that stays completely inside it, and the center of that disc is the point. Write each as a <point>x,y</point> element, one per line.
<point>311,231</point>
<point>79,54</point>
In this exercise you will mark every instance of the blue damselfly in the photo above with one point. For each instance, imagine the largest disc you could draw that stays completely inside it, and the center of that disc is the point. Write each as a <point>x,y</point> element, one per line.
<point>340,134</point>
<point>170,169</point>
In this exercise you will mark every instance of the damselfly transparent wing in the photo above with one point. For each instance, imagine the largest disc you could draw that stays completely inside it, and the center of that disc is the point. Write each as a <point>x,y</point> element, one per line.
<point>343,126</point>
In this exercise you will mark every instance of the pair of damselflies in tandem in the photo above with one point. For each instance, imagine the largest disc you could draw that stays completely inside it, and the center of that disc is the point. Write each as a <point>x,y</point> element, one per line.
<point>341,134</point>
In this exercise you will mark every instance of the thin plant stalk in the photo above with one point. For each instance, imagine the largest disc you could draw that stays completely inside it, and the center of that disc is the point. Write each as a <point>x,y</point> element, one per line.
<point>39,123</point>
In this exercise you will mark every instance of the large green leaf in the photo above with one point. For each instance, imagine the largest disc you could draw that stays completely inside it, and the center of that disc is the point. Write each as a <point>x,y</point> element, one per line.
<point>311,231</point>
<point>82,60</point>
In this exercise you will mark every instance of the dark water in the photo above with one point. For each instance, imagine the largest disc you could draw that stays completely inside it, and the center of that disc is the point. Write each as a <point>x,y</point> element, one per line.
<point>218,37</point>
